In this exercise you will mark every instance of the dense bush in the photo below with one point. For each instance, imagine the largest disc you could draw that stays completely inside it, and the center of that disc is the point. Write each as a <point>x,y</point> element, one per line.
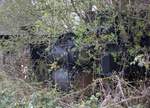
<point>119,28</point>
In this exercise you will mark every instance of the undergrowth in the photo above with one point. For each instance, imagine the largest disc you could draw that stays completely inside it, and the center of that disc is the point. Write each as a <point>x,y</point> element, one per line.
<point>112,92</point>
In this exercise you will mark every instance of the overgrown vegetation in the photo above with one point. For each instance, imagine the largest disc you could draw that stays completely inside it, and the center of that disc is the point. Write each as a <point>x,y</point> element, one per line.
<point>95,23</point>
<point>110,93</point>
